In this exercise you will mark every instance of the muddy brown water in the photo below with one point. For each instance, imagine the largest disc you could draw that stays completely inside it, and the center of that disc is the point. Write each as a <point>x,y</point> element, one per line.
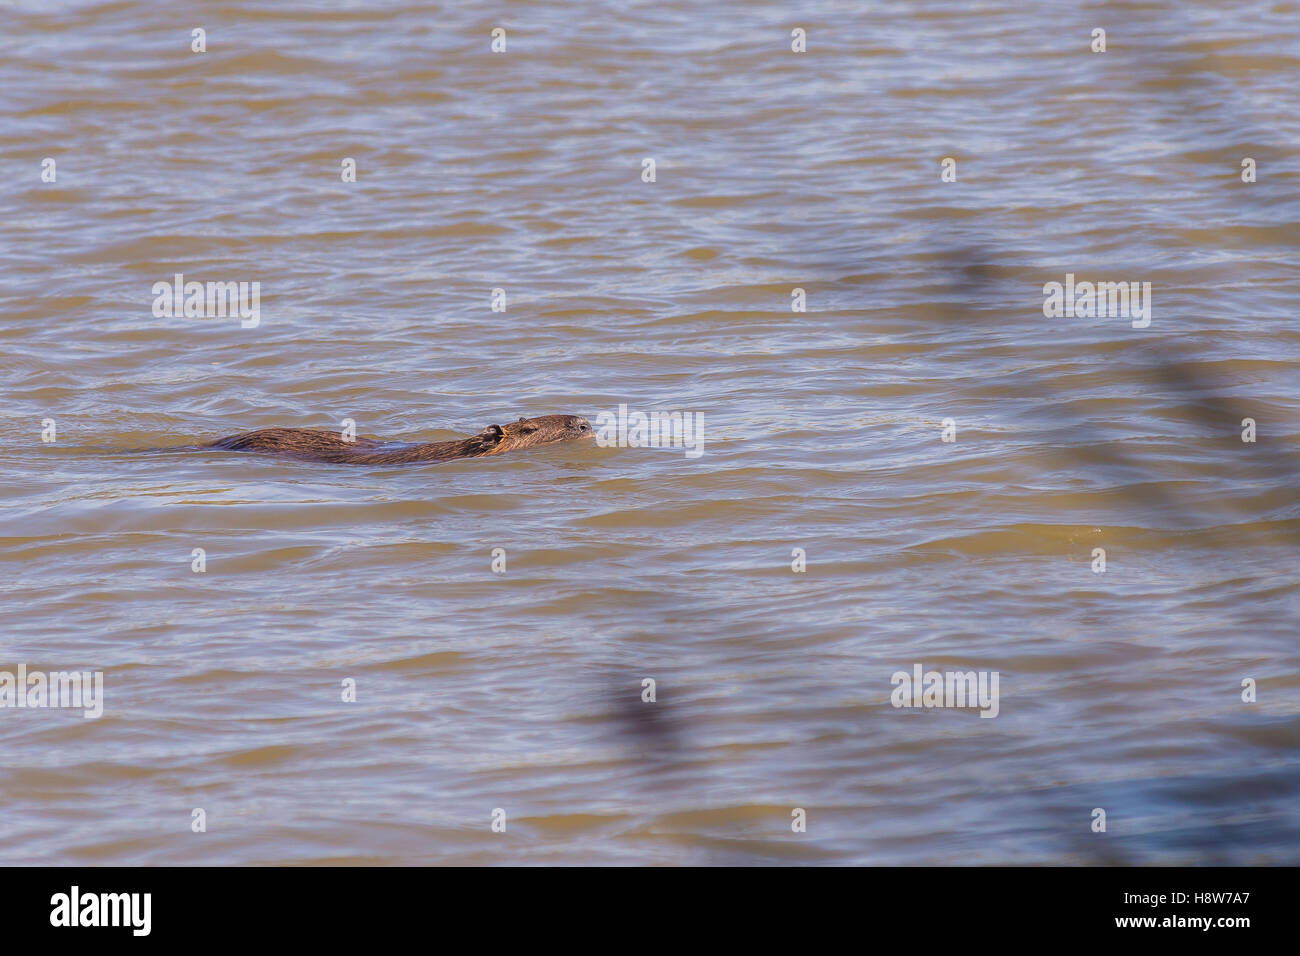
<point>773,171</point>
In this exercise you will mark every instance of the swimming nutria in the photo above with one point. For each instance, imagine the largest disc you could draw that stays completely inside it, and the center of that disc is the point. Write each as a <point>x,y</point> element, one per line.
<point>314,444</point>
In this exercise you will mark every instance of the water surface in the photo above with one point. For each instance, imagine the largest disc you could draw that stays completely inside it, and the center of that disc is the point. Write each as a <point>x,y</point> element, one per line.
<point>774,170</point>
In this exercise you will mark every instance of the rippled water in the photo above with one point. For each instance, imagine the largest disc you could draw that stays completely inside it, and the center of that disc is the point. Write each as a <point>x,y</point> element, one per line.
<point>774,170</point>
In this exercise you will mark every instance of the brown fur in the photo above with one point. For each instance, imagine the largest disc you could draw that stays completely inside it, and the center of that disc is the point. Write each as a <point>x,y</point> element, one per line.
<point>313,444</point>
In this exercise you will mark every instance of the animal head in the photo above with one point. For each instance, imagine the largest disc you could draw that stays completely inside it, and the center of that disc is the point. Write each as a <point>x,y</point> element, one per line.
<point>543,430</point>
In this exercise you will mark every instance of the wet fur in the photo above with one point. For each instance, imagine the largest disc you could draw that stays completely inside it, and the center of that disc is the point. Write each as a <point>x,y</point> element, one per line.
<point>314,444</point>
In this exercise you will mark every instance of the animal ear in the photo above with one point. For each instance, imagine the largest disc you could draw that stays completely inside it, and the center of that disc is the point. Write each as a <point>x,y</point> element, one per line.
<point>493,432</point>
<point>522,419</point>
